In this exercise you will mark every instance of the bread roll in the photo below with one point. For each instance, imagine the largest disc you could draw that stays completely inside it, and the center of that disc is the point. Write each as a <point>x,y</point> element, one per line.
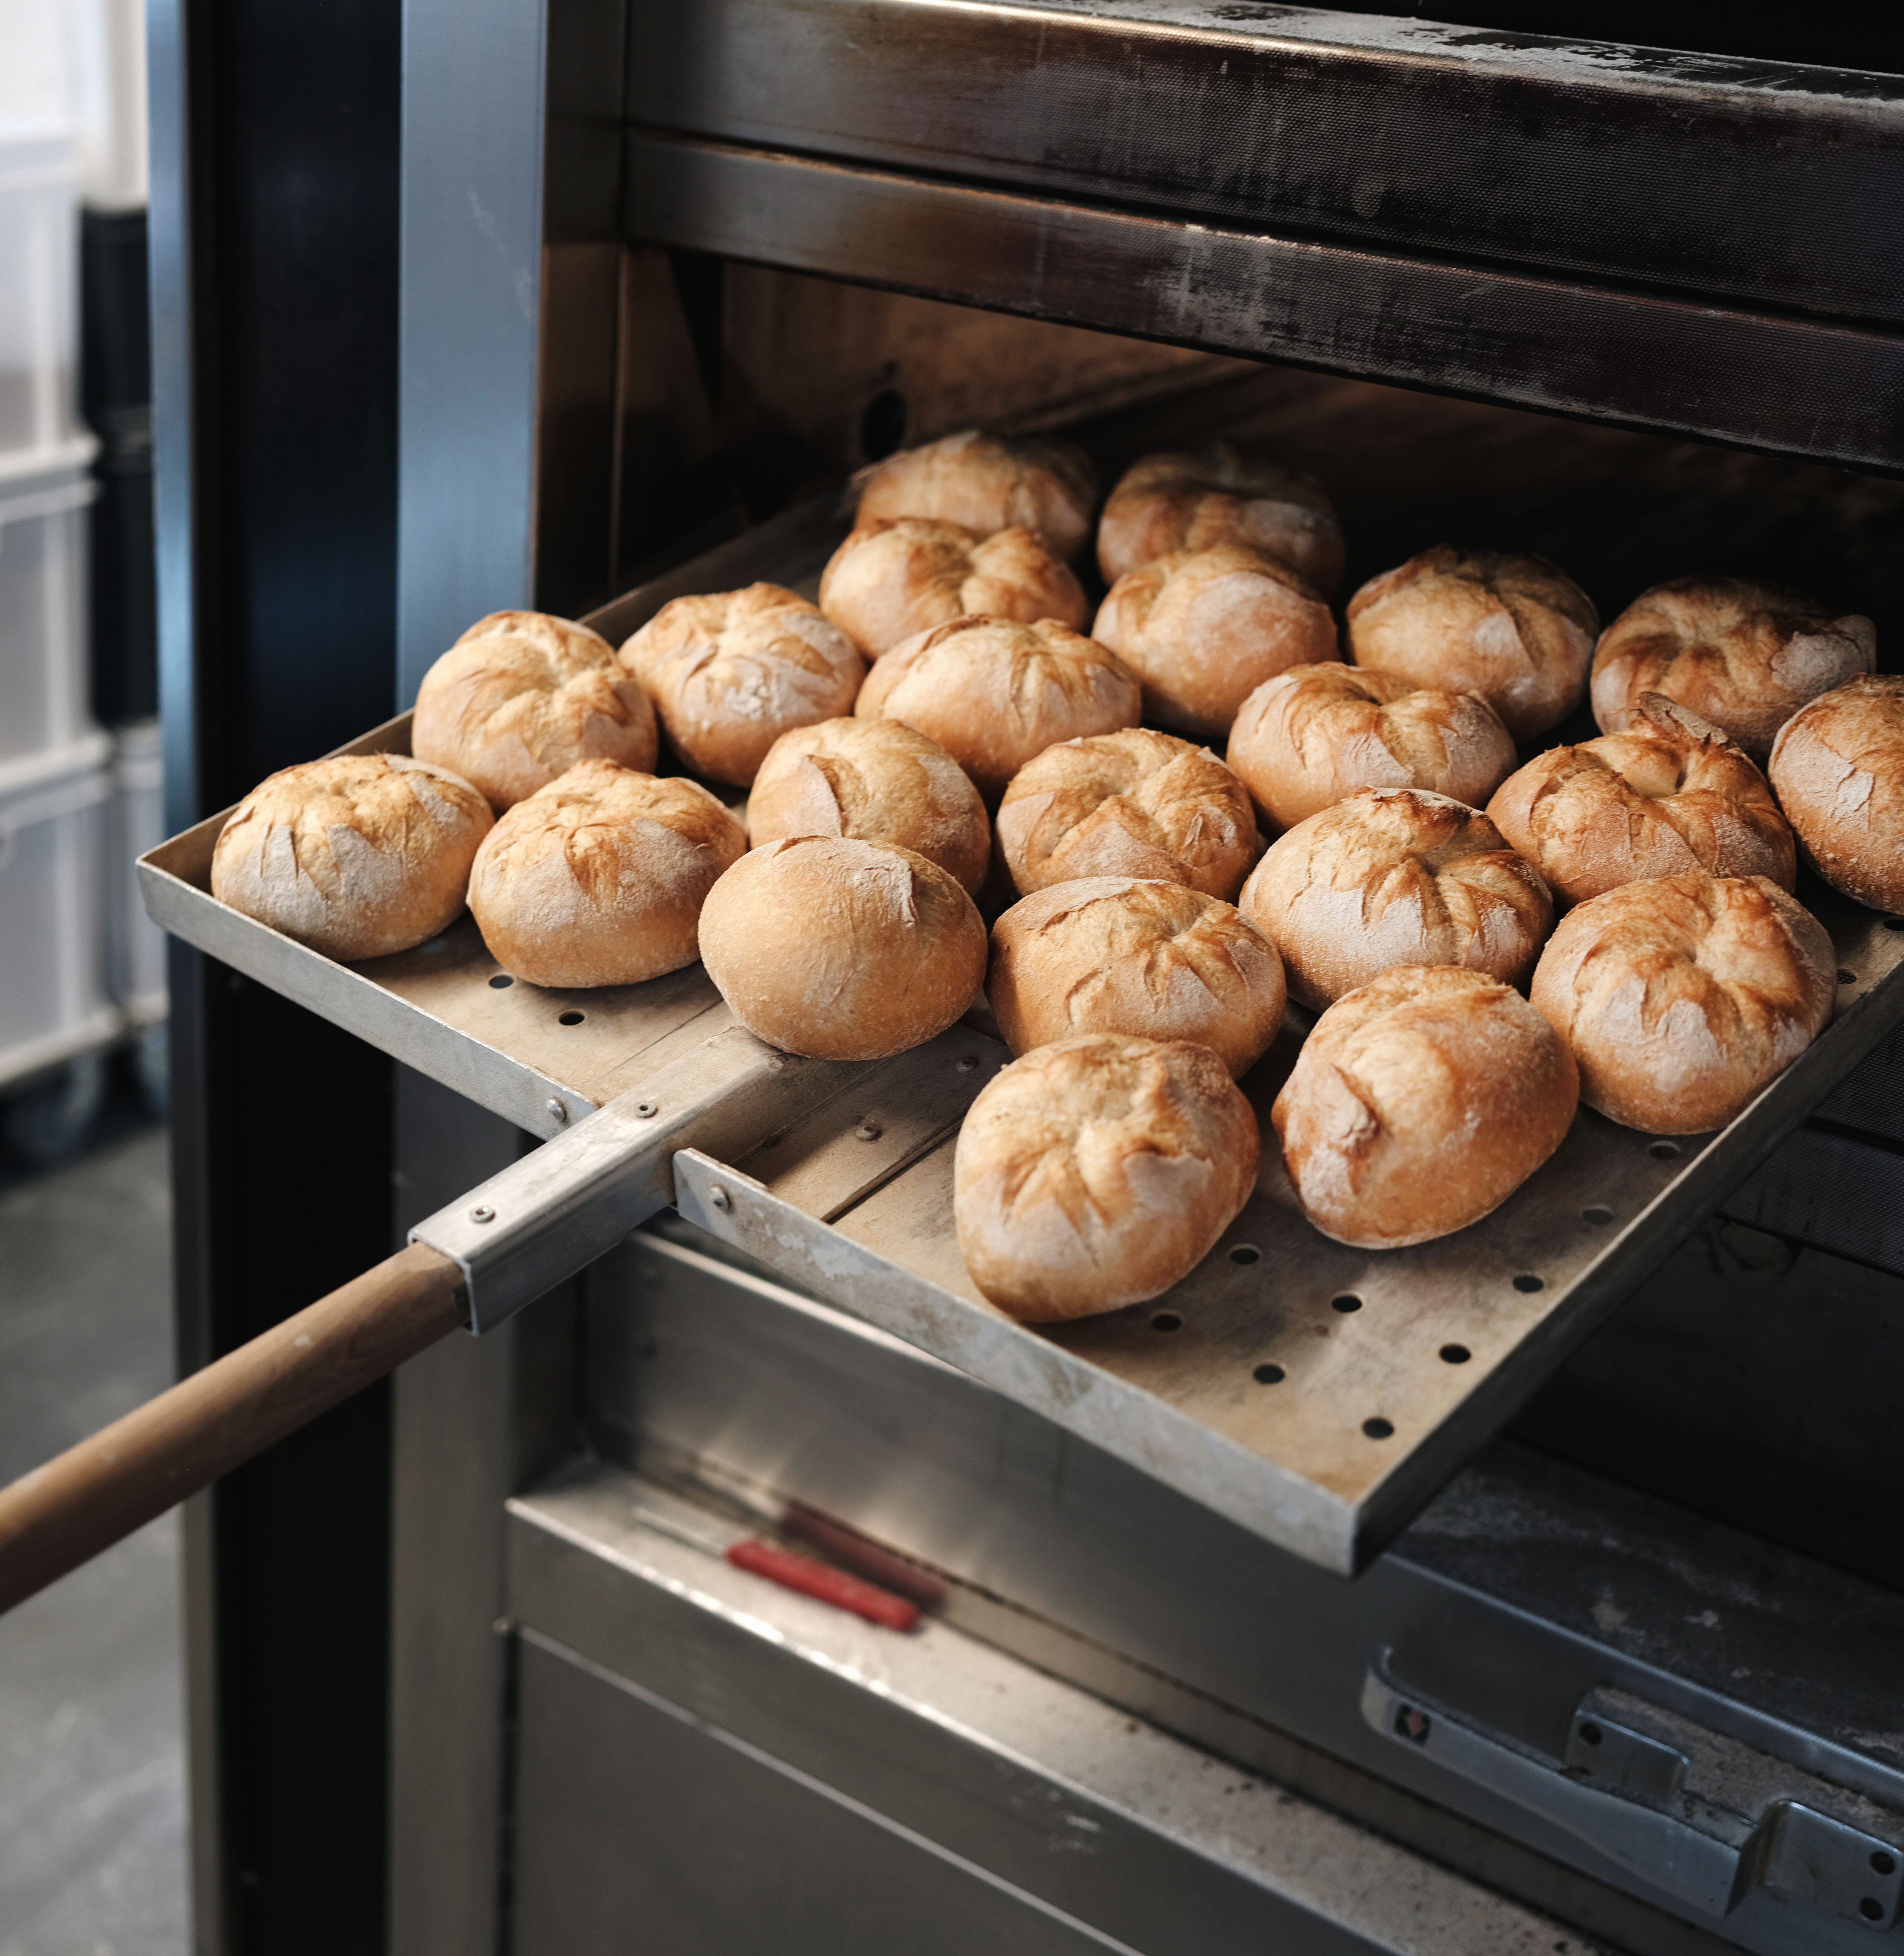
<point>357,856</point>
<point>1131,804</point>
<point>731,672</point>
<point>1683,997</point>
<point>836,949</point>
<point>1419,1104</point>
<point>598,879</point>
<point>1099,1172</point>
<point>873,780</point>
<point>989,481</point>
<point>892,578</point>
<point>1744,656</point>
<point>1514,629</point>
<point>1395,876</point>
<point>1202,629</point>
<point>1153,960</point>
<point>1838,765</point>
<point>993,694</point>
<point>1312,736</point>
<point>1224,493</point>
<point>1670,793</point>
<point>521,697</point>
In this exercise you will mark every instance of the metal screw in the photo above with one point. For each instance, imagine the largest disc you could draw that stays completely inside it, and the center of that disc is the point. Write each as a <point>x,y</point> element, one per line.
<point>646,1110</point>
<point>720,1198</point>
<point>557,1111</point>
<point>867,1130</point>
<point>482,1212</point>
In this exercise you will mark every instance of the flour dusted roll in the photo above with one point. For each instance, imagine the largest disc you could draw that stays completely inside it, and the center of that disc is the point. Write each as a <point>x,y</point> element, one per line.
<point>1132,803</point>
<point>1203,629</point>
<point>1098,1171</point>
<point>990,481</point>
<point>1151,959</point>
<point>1224,493</point>
<point>1419,1104</point>
<point>357,856</point>
<point>598,879</point>
<point>1515,629</point>
<point>1314,735</point>
<point>873,780</point>
<point>837,949</point>
<point>993,694</point>
<point>1839,769</point>
<point>1744,656</point>
<point>893,577</point>
<point>1670,793</point>
<point>521,697</point>
<point>1684,997</point>
<point>1392,877</point>
<point>731,672</point>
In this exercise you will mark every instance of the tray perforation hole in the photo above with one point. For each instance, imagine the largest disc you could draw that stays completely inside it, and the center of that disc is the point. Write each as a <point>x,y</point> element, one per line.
<point>1455,1354</point>
<point>1527,1283</point>
<point>1167,1320</point>
<point>501,981</point>
<point>1598,1212</point>
<point>1894,923</point>
<point>1379,1428</point>
<point>1664,1150</point>
<point>1245,1253</point>
<point>1883,1864</point>
<point>569,1018</point>
<point>1847,977</point>
<point>1345,1302</point>
<point>1269,1375</point>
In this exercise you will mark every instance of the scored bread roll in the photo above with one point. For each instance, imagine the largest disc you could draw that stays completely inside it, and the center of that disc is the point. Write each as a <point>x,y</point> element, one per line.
<point>1131,804</point>
<point>731,672</point>
<point>837,949</point>
<point>521,697</point>
<point>1515,629</point>
<point>1837,766</point>
<point>1418,1104</point>
<point>989,481</point>
<point>895,576</point>
<point>1671,793</point>
<point>1098,1171</point>
<point>598,879</point>
<point>1153,961</point>
<point>1683,997</point>
<point>993,694</point>
<point>1224,493</point>
<point>1395,876</point>
<point>873,780</point>
<point>357,856</point>
<point>1203,629</point>
<point>1312,736</point>
<point>1744,656</point>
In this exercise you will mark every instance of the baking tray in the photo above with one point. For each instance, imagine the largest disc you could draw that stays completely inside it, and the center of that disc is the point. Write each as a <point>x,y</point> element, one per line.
<point>1317,1395</point>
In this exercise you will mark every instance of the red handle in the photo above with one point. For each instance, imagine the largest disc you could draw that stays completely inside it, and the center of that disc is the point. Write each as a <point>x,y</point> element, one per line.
<point>829,1585</point>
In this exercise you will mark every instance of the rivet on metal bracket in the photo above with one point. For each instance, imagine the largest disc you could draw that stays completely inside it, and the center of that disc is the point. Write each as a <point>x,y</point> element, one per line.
<point>868,1130</point>
<point>482,1212</point>
<point>647,1109</point>
<point>720,1197</point>
<point>556,1109</point>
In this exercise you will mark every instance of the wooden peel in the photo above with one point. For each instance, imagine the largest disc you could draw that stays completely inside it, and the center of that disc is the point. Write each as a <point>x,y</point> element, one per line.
<point>94,1493</point>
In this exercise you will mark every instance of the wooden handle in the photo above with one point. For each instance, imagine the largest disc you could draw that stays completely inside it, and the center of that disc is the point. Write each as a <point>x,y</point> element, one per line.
<point>94,1493</point>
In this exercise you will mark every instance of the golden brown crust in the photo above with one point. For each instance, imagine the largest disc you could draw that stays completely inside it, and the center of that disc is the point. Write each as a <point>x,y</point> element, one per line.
<point>893,577</point>
<point>598,879</point>
<point>1839,769</point>
<point>1131,804</point>
<point>1515,629</point>
<point>731,671</point>
<point>1671,793</point>
<point>990,481</point>
<point>358,856</point>
<point>1149,960</point>
<point>1313,736</point>
<point>1684,997</point>
<point>1203,629</point>
<point>1224,493</point>
<point>1098,1171</point>
<point>1419,1104</point>
<point>1744,656</point>
<point>994,694</point>
<point>837,949</point>
<point>1392,877</point>
<point>873,780</point>
<point>521,697</point>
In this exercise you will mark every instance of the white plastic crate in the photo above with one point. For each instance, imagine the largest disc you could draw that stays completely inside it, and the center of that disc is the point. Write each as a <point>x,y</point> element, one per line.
<point>135,945</point>
<point>43,498</point>
<point>39,286</point>
<point>52,966</point>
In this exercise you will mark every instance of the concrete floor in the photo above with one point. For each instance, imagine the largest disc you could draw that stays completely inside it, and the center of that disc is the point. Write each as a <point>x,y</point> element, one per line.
<point>91,1762</point>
